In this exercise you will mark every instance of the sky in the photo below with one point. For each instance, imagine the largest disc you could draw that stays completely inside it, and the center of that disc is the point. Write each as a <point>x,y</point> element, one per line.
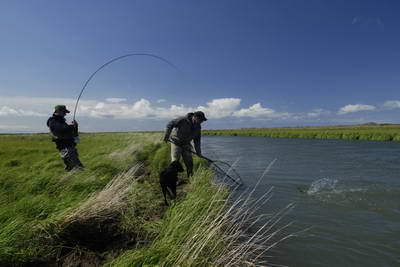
<point>244,63</point>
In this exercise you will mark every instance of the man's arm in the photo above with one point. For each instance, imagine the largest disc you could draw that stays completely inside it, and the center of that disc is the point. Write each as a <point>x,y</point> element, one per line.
<point>197,144</point>
<point>75,125</point>
<point>170,126</point>
<point>61,130</point>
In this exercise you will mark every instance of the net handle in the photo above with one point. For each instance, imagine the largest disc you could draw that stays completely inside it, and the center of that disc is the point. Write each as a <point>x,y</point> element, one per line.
<point>210,161</point>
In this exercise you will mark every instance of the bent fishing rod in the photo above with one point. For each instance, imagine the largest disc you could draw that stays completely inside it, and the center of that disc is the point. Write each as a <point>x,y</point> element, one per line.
<point>212,162</point>
<point>112,61</point>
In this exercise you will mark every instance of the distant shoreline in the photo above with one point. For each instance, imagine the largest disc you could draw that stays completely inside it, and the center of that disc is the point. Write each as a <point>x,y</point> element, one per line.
<point>371,132</point>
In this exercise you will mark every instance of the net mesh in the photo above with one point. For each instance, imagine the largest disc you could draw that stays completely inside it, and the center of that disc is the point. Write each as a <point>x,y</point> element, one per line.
<point>226,172</point>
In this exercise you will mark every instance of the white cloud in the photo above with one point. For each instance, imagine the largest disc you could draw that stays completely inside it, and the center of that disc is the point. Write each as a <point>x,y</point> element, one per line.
<point>138,110</point>
<point>7,111</point>
<point>31,110</point>
<point>161,100</point>
<point>217,108</point>
<point>317,113</point>
<point>222,107</point>
<point>115,100</point>
<point>355,108</point>
<point>42,105</point>
<point>173,111</point>
<point>141,109</point>
<point>392,104</point>
<point>257,110</point>
<point>99,105</point>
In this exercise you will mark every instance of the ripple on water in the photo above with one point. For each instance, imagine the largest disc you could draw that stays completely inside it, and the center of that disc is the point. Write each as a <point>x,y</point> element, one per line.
<point>369,196</point>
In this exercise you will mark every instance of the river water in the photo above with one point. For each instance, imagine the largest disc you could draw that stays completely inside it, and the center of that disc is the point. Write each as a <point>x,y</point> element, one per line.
<point>348,192</point>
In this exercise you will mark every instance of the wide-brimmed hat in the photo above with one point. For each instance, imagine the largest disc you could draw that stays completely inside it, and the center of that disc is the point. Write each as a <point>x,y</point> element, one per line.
<point>61,108</point>
<point>201,115</point>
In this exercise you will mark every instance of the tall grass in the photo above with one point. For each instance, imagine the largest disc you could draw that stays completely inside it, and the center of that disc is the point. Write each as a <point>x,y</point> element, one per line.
<point>210,228</point>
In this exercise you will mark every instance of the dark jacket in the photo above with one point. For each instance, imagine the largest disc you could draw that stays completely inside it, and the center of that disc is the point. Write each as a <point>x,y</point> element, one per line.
<point>63,134</point>
<point>182,131</point>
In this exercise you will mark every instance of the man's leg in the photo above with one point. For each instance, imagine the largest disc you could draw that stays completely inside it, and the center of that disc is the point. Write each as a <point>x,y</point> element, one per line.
<point>188,160</point>
<point>64,153</point>
<point>70,158</point>
<point>74,157</point>
<point>176,152</point>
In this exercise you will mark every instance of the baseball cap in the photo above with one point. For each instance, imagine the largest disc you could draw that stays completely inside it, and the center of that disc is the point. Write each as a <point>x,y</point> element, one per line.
<point>201,115</point>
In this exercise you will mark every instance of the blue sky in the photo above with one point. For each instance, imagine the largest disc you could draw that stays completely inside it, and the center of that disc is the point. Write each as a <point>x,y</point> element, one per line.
<point>245,63</point>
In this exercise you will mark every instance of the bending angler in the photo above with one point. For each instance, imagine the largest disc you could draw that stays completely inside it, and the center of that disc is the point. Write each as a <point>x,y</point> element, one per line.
<point>182,132</point>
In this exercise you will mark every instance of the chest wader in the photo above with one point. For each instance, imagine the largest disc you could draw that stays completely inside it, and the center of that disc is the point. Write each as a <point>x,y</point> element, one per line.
<point>184,151</point>
<point>69,155</point>
<point>70,158</point>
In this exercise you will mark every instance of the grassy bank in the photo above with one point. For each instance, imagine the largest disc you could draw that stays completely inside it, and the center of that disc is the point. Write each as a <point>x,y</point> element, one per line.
<point>112,213</point>
<point>357,132</point>
<point>36,193</point>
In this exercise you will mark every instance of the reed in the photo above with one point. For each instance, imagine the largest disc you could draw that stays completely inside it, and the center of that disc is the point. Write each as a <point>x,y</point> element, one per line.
<point>212,228</point>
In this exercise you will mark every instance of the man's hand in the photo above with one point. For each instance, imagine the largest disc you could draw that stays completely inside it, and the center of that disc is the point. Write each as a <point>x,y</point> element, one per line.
<point>74,123</point>
<point>166,138</point>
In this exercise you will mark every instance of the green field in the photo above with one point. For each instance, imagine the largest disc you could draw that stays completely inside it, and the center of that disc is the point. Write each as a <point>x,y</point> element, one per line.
<point>384,132</point>
<point>112,213</point>
<point>36,193</point>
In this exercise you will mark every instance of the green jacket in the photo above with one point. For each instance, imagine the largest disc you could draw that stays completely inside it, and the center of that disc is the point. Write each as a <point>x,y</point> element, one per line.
<point>182,131</point>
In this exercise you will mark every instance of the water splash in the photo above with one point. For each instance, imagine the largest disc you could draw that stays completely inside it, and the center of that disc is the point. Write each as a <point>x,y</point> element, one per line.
<point>361,195</point>
<point>322,185</point>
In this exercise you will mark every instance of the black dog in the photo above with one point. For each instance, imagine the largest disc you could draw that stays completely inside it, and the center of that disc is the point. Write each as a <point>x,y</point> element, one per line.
<point>168,179</point>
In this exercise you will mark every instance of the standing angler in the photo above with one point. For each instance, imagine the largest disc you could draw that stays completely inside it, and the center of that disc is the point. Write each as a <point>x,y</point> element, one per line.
<point>65,137</point>
<point>182,132</point>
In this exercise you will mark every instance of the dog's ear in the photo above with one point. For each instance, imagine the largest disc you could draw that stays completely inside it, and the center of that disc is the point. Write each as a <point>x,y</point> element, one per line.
<point>176,165</point>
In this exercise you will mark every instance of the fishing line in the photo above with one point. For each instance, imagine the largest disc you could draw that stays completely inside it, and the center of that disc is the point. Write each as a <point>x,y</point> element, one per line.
<point>113,60</point>
<point>214,162</point>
